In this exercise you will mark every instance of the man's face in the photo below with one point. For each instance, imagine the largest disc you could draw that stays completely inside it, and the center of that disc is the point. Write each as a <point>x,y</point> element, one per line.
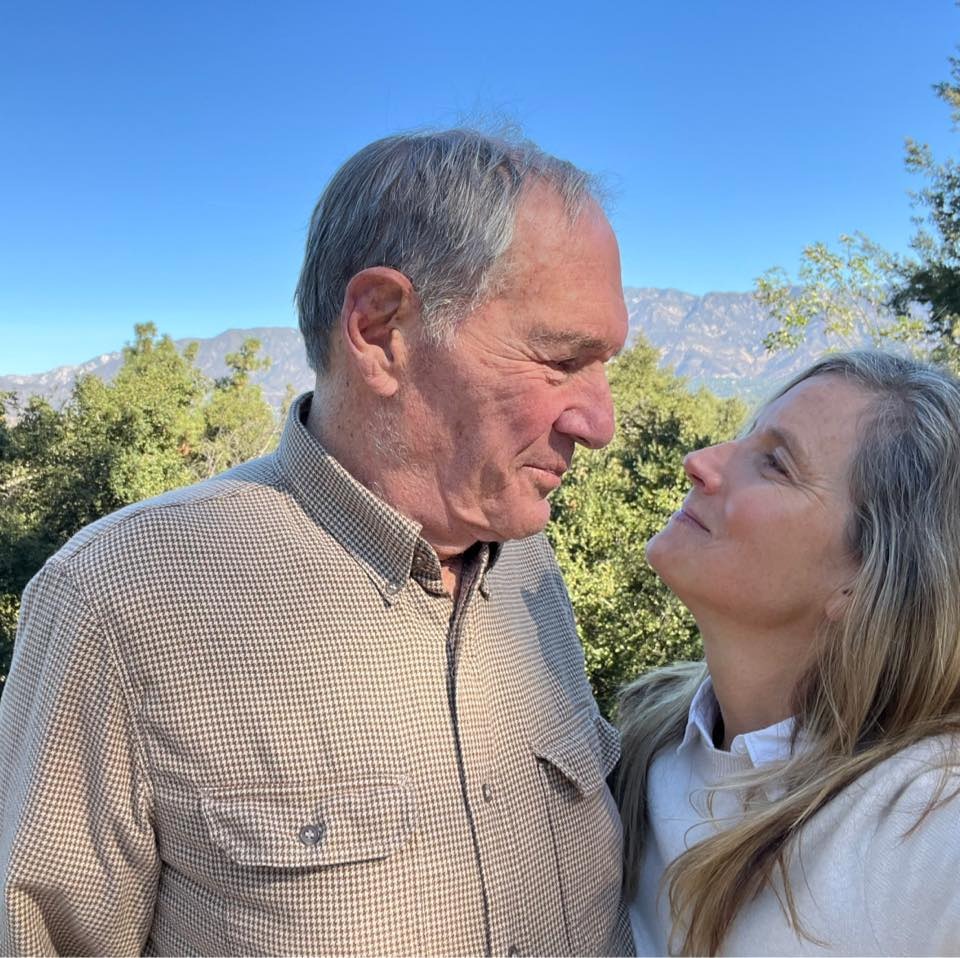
<point>490,422</point>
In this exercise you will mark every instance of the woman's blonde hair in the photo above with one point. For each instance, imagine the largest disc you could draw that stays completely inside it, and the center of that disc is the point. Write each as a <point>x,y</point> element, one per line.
<point>884,676</point>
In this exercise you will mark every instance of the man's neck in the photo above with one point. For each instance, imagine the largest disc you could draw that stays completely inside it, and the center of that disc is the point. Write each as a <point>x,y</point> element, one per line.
<point>451,574</point>
<point>351,448</point>
<point>343,432</point>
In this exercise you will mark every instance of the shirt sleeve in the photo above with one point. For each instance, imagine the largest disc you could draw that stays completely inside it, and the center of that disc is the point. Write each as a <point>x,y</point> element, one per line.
<point>78,857</point>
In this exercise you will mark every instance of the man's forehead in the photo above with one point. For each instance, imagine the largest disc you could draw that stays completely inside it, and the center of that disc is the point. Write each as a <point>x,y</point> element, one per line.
<point>545,227</point>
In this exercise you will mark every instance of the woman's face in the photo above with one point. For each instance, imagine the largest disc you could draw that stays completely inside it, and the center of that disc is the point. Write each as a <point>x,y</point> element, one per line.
<point>760,539</point>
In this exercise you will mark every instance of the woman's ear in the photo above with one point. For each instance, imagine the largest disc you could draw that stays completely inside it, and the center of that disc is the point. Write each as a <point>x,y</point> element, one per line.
<point>838,603</point>
<point>380,313</point>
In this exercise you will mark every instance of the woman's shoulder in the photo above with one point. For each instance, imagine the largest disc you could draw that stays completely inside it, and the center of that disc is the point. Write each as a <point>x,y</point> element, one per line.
<point>912,811</point>
<point>905,808</point>
<point>916,779</point>
<point>880,858</point>
<point>910,798</point>
<point>904,815</point>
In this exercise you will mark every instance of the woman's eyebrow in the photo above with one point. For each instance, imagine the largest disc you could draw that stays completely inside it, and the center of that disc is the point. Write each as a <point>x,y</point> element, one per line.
<point>790,441</point>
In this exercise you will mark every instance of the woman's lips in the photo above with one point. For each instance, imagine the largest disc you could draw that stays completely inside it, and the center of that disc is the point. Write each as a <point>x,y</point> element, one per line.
<point>685,513</point>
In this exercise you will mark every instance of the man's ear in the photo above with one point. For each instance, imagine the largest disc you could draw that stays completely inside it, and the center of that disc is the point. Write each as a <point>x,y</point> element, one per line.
<point>380,313</point>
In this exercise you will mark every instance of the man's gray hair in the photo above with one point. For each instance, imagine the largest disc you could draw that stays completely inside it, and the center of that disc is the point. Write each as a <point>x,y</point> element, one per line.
<point>438,207</point>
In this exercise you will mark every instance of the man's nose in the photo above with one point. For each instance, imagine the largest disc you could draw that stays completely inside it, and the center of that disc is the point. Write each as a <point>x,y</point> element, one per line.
<point>704,467</point>
<point>588,418</point>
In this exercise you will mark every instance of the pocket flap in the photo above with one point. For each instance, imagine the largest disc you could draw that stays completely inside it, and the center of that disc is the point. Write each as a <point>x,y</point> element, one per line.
<point>328,825</point>
<point>585,749</point>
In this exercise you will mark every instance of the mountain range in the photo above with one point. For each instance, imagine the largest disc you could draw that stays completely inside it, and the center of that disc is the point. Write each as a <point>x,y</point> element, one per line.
<point>715,340</point>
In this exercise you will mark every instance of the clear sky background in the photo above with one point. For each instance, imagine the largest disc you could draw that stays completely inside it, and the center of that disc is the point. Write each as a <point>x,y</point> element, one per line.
<point>159,161</point>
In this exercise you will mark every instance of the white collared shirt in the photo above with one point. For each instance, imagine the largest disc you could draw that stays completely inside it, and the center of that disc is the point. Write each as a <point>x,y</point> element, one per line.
<point>763,746</point>
<point>866,879</point>
<point>678,785</point>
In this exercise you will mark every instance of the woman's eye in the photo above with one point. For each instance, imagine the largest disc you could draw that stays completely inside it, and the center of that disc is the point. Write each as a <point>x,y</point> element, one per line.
<point>772,462</point>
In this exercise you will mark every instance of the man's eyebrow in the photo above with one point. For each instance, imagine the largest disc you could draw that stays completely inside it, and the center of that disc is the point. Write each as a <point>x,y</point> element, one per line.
<point>569,338</point>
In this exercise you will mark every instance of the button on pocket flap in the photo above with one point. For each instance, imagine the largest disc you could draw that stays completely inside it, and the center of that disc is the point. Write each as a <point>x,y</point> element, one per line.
<point>328,825</point>
<point>584,749</point>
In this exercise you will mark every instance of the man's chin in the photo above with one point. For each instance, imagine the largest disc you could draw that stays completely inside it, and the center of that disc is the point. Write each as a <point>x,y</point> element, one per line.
<point>529,522</point>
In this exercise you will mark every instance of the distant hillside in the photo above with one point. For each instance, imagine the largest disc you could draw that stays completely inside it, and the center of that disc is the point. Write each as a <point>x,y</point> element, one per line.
<point>282,344</point>
<point>715,340</point>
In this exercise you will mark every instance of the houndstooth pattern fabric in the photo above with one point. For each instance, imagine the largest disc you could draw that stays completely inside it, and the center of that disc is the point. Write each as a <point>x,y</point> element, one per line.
<point>245,718</point>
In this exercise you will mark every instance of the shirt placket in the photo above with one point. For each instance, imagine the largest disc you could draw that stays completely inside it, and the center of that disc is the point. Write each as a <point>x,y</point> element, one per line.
<point>480,791</point>
<point>463,703</point>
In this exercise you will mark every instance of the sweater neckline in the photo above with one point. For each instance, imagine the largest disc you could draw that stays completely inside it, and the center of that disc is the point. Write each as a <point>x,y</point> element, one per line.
<point>761,746</point>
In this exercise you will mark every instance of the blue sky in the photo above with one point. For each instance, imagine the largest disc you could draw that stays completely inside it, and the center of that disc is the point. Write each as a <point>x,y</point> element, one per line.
<point>159,161</point>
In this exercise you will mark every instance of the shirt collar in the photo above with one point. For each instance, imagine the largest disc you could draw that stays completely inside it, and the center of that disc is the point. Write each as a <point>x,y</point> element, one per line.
<point>386,543</point>
<point>763,746</point>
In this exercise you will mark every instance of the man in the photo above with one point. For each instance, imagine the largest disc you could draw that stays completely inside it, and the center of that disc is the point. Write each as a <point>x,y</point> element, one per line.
<point>332,701</point>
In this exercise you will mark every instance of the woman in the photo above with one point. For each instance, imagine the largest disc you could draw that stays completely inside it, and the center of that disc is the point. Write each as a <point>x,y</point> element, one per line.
<point>793,794</point>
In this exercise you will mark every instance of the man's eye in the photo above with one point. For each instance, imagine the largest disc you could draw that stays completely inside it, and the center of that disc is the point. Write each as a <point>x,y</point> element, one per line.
<point>565,365</point>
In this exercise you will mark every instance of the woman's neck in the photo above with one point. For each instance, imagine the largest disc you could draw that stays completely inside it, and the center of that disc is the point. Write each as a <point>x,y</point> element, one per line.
<point>754,679</point>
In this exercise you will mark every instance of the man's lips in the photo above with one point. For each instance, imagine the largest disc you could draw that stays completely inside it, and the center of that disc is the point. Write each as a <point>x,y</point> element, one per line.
<point>557,468</point>
<point>552,473</point>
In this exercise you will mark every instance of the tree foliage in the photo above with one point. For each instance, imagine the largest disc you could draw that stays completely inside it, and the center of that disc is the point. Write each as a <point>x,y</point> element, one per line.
<point>845,294</point>
<point>158,425</point>
<point>933,278</point>
<point>237,424</point>
<point>862,294</point>
<point>612,501</point>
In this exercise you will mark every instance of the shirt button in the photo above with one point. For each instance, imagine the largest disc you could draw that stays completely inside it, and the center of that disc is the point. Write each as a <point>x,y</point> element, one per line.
<point>487,792</point>
<point>513,951</point>
<point>311,834</point>
<point>393,588</point>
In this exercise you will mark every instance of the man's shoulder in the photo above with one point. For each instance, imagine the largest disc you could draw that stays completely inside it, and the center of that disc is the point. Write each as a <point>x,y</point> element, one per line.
<point>205,509</point>
<point>527,572</point>
<point>534,553</point>
<point>529,563</point>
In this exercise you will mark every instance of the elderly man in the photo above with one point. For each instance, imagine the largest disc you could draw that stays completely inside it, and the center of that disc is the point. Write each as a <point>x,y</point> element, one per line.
<point>332,701</point>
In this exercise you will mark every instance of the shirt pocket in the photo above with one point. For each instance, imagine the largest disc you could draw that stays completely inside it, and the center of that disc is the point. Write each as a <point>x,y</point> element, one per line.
<point>584,750</point>
<point>574,761</point>
<point>310,870</point>
<point>328,825</point>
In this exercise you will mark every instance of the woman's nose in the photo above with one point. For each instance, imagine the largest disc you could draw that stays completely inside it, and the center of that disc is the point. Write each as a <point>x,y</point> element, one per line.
<point>703,467</point>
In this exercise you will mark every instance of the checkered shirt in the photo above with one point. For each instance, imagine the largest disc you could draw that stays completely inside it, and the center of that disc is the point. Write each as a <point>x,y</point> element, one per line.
<point>245,718</point>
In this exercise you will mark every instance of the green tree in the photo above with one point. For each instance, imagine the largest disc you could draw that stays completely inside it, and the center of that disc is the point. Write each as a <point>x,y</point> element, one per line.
<point>238,424</point>
<point>159,424</point>
<point>612,501</point>
<point>846,294</point>
<point>860,293</point>
<point>27,535</point>
<point>933,278</point>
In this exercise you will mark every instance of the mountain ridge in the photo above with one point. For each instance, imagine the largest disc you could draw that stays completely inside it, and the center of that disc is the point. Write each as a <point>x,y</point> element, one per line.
<point>714,340</point>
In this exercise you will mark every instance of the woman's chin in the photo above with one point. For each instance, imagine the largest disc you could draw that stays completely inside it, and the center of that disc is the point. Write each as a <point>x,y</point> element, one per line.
<point>660,552</point>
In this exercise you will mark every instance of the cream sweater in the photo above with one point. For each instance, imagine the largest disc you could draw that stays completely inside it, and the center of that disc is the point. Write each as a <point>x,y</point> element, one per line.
<point>861,884</point>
